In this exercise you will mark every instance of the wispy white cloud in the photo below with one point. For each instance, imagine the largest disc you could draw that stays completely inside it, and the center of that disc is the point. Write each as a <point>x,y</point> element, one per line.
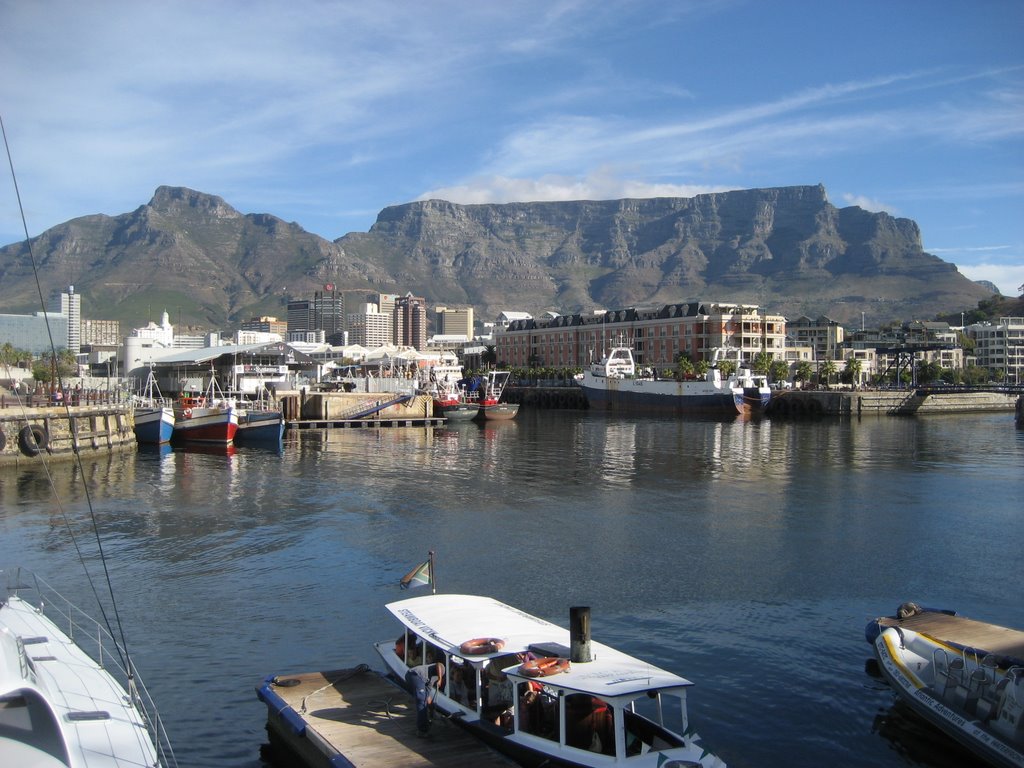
<point>1009,279</point>
<point>597,186</point>
<point>869,204</point>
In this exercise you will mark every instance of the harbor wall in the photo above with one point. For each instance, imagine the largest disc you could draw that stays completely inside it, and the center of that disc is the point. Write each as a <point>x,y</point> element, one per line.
<point>338,406</point>
<point>886,403</point>
<point>97,427</point>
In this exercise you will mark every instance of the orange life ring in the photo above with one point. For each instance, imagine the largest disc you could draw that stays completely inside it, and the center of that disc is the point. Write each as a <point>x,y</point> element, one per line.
<point>187,413</point>
<point>482,645</point>
<point>544,667</point>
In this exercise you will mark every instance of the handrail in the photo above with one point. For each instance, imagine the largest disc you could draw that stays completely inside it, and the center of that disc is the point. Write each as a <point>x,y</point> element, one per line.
<point>54,605</point>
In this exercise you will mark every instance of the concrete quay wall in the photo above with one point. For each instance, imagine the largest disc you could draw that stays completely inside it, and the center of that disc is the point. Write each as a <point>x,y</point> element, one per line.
<point>97,428</point>
<point>886,403</point>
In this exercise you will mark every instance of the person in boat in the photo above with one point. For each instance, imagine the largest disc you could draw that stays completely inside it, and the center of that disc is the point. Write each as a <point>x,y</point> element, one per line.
<point>588,724</point>
<point>425,680</point>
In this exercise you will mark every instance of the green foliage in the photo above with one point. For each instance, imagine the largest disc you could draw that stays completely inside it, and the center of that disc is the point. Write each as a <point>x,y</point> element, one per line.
<point>684,367</point>
<point>826,371</point>
<point>727,367</point>
<point>927,372</point>
<point>779,370</point>
<point>851,374</point>
<point>762,363</point>
<point>803,371</point>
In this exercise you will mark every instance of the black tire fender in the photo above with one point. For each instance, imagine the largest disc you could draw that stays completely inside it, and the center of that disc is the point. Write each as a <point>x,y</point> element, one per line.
<point>33,439</point>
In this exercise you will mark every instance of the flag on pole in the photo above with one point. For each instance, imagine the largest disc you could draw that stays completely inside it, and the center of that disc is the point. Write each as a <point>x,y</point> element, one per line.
<point>419,576</point>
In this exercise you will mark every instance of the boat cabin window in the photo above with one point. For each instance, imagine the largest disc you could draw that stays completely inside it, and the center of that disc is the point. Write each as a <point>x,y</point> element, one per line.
<point>462,682</point>
<point>589,724</point>
<point>409,648</point>
<point>498,690</point>
<point>538,711</point>
<point>650,723</point>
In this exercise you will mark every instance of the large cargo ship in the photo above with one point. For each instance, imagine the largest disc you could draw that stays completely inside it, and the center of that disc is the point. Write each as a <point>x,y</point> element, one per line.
<point>613,384</point>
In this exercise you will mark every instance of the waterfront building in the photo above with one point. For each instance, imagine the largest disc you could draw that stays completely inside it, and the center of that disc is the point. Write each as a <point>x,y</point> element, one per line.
<point>507,317</point>
<point>1000,347</point>
<point>101,333</point>
<point>368,326</point>
<point>657,335</point>
<point>410,322</point>
<point>266,324</point>
<point>453,321</point>
<point>29,332</point>
<point>386,306</point>
<point>823,335</point>
<point>257,337</point>
<point>69,304</point>
<point>242,368</point>
<point>325,312</point>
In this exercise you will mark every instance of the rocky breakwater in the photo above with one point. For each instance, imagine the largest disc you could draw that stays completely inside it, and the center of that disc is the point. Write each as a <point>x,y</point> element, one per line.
<point>30,435</point>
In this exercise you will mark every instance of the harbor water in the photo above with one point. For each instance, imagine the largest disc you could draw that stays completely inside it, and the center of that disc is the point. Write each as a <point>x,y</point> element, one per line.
<point>746,556</point>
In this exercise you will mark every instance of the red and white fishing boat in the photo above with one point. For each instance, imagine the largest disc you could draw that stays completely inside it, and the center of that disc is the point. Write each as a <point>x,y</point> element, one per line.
<point>489,406</point>
<point>206,418</point>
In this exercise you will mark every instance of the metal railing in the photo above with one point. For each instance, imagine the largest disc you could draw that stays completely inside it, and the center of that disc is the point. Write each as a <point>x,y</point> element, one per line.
<point>94,639</point>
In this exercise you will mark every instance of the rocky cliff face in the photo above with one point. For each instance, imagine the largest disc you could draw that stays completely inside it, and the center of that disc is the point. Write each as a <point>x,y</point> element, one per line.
<point>786,248</point>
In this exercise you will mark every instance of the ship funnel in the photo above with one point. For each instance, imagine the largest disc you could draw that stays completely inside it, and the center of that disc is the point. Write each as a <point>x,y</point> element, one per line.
<point>579,635</point>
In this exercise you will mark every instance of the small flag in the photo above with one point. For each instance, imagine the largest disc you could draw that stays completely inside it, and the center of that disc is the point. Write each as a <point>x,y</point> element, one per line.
<point>417,577</point>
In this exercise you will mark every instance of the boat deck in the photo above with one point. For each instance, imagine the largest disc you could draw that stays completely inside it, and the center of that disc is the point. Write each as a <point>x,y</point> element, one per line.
<point>357,717</point>
<point>965,632</point>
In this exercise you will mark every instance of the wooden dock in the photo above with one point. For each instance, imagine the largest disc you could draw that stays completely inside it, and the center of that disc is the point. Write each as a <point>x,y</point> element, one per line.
<point>387,422</point>
<point>357,718</point>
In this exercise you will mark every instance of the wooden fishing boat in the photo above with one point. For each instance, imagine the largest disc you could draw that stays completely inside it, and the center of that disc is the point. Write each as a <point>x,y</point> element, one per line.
<point>544,695</point>
<point>207,418</point>
<point>154,415</point>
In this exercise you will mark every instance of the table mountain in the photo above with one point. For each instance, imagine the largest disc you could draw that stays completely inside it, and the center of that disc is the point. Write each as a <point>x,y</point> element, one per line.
<point>786,248</point>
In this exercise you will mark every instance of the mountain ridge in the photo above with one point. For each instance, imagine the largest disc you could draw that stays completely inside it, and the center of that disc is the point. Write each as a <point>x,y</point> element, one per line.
<point>785,248</point>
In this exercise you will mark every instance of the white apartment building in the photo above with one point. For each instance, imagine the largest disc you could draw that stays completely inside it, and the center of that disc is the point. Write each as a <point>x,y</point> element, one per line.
<point>1000,347</point>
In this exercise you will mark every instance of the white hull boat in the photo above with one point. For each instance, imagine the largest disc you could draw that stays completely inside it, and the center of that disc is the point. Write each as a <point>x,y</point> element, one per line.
<point>58,705</point>
<point>614,384</point>
<point>975,696</point>
<point>511,679</point>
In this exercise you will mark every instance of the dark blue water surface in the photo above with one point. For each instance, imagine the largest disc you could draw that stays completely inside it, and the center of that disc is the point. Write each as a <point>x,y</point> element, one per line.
<point>746,556</point>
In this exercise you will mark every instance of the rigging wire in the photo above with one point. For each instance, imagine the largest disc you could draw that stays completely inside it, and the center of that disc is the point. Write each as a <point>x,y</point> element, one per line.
<point>122,647</point>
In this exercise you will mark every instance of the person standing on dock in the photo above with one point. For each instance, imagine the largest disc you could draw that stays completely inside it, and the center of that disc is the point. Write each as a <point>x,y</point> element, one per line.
<point>425,681</point>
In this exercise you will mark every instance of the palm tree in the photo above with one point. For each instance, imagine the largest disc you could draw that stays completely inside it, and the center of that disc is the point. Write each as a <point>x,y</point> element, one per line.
<point>762,363</point>
<point>803,371</point>
<point>779,370</point>
<point>828,370</point>
<point>684,367</point>
<point>853,370</point>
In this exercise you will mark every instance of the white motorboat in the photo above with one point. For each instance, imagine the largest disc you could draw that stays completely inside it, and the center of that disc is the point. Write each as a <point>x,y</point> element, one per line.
<point>66,702</point>
<point>540,693</point>
<point>963,676</point>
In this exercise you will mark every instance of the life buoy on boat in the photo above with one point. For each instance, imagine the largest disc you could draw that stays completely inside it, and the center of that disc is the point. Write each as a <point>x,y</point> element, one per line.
<point>544,667</point>
<point>33,439</point>
<point>187,413</point>
<point>481,645</point>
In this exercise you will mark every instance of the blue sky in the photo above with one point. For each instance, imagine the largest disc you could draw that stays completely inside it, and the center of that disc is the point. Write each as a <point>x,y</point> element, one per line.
<point>325,112</point>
